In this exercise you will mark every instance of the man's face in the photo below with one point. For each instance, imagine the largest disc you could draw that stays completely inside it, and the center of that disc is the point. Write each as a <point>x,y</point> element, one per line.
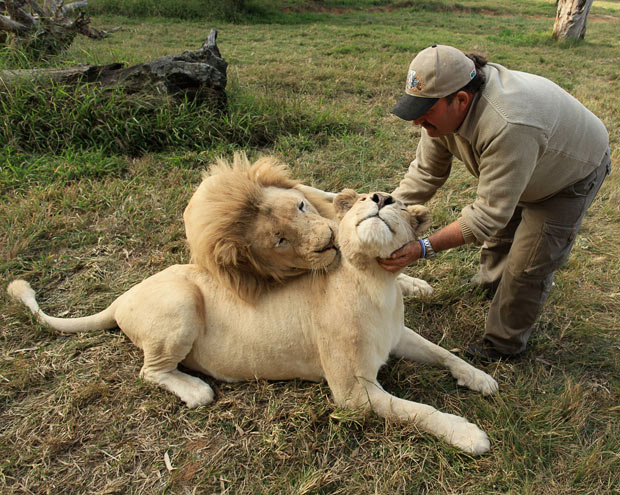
<point>444,118</point>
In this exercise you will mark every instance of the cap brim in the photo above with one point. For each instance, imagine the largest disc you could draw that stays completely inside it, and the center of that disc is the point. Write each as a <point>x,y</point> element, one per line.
<point>412,107</point>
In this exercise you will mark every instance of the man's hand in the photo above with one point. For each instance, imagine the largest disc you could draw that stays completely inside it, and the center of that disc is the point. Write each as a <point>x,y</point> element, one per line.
<point>402,257</point>
<point>448,237</point>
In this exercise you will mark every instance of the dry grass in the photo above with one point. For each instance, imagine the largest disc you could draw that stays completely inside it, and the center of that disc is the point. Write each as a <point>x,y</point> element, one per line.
<point>75,417</point>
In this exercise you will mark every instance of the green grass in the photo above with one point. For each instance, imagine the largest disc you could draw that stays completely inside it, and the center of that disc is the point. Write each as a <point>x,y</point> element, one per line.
<point>38,119</point>
<point>19,171</point>
<point>93,186</point>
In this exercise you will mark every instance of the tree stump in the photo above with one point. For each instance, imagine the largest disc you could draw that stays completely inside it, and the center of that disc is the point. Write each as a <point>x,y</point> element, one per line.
<point>571,18</point>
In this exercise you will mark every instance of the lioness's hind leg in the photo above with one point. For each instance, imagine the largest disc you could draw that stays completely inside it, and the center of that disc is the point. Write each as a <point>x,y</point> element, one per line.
<point>413,287</point>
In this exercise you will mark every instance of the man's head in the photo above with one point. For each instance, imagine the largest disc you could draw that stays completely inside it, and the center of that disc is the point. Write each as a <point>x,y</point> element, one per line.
<point>438,89</point>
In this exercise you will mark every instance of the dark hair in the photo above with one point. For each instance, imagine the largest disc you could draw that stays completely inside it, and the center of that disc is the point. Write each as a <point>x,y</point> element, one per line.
<point>473,86</point>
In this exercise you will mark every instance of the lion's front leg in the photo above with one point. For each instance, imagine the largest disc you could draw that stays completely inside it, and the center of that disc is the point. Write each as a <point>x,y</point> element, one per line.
<point>413,287</point>
<point>417,348</point>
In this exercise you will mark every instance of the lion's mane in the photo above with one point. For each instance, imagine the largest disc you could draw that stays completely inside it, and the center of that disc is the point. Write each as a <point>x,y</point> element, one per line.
<point>222,211</point>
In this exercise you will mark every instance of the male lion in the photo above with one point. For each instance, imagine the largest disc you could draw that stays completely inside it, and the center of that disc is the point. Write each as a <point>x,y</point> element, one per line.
<point>341,326</point>
<point>253,228</point>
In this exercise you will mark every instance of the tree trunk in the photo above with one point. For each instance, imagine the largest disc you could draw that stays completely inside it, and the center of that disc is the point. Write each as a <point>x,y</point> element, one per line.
<point>198,75</point>
<point>571,18</point>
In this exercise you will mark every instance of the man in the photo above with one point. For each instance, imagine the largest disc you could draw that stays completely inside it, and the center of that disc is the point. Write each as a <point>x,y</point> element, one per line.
<point>540,158</point>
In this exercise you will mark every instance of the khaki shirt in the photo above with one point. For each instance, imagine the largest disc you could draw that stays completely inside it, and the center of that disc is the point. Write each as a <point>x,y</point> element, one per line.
<point>524,138</point>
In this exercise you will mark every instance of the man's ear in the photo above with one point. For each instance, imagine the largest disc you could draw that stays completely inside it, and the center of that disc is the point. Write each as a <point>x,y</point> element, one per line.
<point>463,100</point>
<point>344,201</point>
<point>420,218</point>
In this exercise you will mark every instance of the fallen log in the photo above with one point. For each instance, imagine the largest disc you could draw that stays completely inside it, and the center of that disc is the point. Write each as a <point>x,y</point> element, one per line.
<point>197,75</point>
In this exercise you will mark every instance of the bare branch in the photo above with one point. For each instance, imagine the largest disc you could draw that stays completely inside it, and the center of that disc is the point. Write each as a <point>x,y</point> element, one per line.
<point>82,25</point>
<point>68,9</point>
<point>7,24</point>
<point>38,10</point>
<point>48,26</point>
<point>16,12</point>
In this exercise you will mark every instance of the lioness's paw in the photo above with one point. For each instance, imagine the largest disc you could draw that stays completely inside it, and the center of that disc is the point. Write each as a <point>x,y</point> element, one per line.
<point>467,436</point>
<point>475,379</point>
<point>413,287</point>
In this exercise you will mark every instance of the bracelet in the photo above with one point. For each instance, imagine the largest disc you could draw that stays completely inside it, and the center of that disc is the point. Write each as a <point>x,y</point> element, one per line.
<point>427,248</point>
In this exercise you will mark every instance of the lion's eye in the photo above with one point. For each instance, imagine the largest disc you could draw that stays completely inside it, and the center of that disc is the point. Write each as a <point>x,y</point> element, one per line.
<point>302,206</point>
<point>281,242</point>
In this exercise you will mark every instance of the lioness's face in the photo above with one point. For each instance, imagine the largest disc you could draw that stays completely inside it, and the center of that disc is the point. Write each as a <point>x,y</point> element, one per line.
<point>289,236</point>
<point>375,224</point>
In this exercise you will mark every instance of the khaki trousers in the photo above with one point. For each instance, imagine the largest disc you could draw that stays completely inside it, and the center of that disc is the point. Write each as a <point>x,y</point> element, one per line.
<point>520,259</point>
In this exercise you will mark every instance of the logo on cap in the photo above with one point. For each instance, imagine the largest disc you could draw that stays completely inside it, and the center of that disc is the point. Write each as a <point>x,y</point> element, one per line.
<point>414,82</point>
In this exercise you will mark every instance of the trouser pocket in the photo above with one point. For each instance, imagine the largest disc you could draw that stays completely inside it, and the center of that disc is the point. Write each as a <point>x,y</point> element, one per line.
<point>551,251</point>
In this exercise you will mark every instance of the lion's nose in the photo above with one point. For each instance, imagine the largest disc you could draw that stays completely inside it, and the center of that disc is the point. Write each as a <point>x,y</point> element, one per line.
<point>382,199</point>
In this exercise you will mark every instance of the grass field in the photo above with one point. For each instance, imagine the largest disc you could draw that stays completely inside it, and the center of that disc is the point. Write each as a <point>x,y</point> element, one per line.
<point>92,192</point>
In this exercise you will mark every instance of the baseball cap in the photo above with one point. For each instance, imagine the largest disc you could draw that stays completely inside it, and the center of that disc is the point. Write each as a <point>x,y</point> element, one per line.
<point>435,72</point>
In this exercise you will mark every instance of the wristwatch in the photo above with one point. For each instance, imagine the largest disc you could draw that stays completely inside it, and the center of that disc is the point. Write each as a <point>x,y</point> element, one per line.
<point>427,248</point>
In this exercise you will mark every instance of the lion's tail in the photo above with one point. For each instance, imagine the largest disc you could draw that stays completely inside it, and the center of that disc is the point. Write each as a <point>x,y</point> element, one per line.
<point>21,290</point>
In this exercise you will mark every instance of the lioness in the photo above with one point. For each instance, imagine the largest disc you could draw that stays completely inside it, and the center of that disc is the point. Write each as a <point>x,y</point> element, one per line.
<point>341,326</point>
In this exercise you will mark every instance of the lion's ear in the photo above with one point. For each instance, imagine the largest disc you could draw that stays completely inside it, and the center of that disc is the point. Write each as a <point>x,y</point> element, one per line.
<point>344,201</point>
<point>420,218</point>
<point>226,253</point>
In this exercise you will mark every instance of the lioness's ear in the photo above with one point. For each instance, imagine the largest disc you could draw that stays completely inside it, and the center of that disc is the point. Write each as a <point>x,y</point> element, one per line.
<point>420,218</point>
<point>344,201</point>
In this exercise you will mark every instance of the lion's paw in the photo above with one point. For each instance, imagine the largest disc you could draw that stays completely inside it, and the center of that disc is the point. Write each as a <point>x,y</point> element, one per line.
<point>200,396</point>
<point>413,287</point>
<point>466,436</point>
<point>475,379</point>
<point>190,389</point>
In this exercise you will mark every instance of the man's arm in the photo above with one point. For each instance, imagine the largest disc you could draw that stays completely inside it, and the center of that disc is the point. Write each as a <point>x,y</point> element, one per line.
<point>427,173</point>
<point>449,237</point>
